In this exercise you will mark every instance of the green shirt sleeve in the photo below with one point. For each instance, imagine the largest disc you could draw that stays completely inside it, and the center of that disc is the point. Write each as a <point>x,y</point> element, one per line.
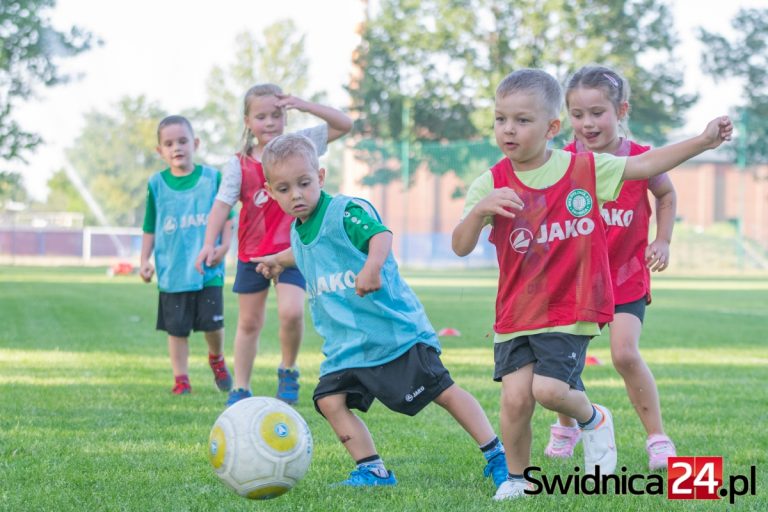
<point>360,226</point>
<point>478,190</point>
<point>608,172</point>
<point>150,212</point>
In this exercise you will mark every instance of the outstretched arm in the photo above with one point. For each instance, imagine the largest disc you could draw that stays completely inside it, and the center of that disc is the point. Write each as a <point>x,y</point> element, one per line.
<point>272,265</point>
<point>338,122</point>
<point>502,201</point>
<point>657,252</point>
<point>659,160</point>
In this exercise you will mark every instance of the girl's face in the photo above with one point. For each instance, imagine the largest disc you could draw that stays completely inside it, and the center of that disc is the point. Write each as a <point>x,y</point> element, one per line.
<point>265,120</point>
<point>594,119</point>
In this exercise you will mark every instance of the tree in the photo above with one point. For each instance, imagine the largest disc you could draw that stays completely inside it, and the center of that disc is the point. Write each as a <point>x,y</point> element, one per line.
<point>29,50</point>
<point>11,188</point>
<point>279,58</point>
<point>447,64</point>
<point>744,58</point>
<point>64,197</point>
<point>115,154</point>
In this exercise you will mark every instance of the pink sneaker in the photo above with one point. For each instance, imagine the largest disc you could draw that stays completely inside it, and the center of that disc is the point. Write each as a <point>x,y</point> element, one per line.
<point>562,441</point>
<point>659,448</point>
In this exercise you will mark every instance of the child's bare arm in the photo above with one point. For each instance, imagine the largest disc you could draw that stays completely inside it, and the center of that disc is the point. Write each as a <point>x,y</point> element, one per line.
<point>369,278</point>
<point>272,265</point>
<point>657,253</point>
<point>217,217</point>
<point>659,160</point>
<point>502,201</point>
<point>338,122</point>
<point>147,270</point>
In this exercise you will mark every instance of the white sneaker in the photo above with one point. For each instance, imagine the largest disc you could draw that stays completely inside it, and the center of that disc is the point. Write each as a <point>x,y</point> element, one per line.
<point>600,445</point>
<point>511,489</point>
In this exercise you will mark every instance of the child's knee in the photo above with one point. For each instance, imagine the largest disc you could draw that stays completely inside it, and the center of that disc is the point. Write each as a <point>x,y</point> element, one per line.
<point>550,394</point>
<point>331,404</point>
<point>518,403</point>
<point>626,358</point>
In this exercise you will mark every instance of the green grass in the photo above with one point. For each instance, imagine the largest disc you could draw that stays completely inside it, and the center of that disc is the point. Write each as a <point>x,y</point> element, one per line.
<point>87,421</point>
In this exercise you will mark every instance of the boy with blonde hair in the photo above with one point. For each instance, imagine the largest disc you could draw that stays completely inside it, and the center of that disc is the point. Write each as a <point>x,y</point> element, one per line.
<point>554,280</point>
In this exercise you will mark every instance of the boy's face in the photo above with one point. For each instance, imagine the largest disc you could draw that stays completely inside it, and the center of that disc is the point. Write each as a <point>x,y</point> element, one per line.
<point>296,185</point>
<point>177,146</point>
<point>265,120</point>
<point>523,128</point>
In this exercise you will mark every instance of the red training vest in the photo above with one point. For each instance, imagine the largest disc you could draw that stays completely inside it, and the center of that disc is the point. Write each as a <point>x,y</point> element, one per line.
<point>627,221</point>
<point>552,256</point>
<point>263,227</point>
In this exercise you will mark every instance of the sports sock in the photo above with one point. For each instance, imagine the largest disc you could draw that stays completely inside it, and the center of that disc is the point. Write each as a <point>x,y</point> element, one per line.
<point>594,421</point>
<point>182,378</point>
<point>212,359</point>
<point>513,477</point>
<point>375,464</point>
<point>492,448</point>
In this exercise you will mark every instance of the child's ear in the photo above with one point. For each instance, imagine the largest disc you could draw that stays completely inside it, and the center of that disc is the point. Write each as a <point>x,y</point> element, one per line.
<point>197,143</point>
<point>268,188</point>
<point>321,176</point>
<point>623,110</point>
<point>554,129</point>
<point>159,152</point>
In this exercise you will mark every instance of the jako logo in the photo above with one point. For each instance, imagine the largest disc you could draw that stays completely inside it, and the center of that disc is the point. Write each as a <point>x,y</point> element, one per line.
<point>334,282</point>
<point>409,397</point>
<point>520,240</point>
<point>169,225</point>
<point>260,197</point>
<point>617,217</point>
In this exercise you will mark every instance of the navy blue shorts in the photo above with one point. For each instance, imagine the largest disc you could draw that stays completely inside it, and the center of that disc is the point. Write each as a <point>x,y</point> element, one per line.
<point>247,280</point>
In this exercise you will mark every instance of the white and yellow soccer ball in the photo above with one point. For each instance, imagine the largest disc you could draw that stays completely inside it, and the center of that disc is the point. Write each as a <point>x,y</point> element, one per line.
<point>260,447</point>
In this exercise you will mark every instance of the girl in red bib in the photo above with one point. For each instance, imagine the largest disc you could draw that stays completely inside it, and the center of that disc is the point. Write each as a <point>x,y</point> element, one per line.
<point>264,229</point>
<point>597,99</point>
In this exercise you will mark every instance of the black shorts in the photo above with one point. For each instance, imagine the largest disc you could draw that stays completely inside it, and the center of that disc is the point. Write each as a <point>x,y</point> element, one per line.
<point>180,313</point>
<point>405,385</point>
<point>636,308</point>
<point>557,355</point>
<point>247,280</point>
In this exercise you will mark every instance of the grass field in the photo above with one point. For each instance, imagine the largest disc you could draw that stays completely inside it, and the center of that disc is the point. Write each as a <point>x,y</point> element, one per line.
<point>87,421</point>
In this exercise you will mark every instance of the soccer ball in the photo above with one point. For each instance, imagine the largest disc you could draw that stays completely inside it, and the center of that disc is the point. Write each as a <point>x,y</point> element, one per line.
<point>260,447</point>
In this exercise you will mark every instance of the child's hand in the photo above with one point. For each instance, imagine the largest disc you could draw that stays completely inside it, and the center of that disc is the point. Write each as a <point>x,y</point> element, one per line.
<point>291,102</point>
<point>268,266</point>
<point>502,201</point>
<point>219,252</point>
<point>657,255</point>
<point>146,271</point>
<point>717,131</point>
<point>206,256</point>
<point>368,280</point>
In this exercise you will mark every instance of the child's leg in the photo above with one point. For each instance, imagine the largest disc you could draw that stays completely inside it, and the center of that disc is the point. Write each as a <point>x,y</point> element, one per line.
<point>560,397</point>
<point>215,341</point>
<point>565,420</point>
<point>467,411</point>
<point>250,320</point>
<point>638,379</point>
<point>178,348</point>
<point>349,428</point>
<point>517,406</point>
<point>221,376</point>
<point>290,311</point>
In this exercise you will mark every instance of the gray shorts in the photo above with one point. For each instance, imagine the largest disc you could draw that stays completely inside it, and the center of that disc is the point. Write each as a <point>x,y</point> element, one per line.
<point>180,313</point>
<point>405,385</point>
<point>557,355</point>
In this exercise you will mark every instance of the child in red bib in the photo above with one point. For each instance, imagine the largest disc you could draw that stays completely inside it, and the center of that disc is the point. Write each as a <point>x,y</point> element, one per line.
<point>544,208</point>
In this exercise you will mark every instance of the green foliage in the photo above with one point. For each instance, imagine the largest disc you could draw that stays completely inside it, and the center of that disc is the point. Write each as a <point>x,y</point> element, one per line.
<point>63,196</point>
<point>277,57</point>
<point>11,187</point>
<point>29,50</point>
<point>89,423</point>
<point>115,155</point>
<point>745,58</point>
<point>444,58</point>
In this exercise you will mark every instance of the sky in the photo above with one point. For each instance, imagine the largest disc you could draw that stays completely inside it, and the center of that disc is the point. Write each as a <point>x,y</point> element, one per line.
<point>150,44</point>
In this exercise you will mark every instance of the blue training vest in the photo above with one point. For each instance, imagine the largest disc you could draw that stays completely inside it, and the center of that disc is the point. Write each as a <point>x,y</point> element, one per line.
<point>357,331</point>
<point>182,216</point>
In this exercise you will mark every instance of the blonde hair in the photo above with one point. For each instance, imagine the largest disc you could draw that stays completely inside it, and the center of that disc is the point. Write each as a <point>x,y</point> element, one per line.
<point>257,91</point>
<point>286,146</point>
<point>614,86</point>
<point>534,81</point>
